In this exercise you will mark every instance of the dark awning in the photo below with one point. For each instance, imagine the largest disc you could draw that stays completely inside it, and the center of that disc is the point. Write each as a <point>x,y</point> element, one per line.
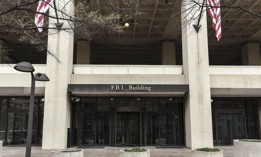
<point>127,88</point>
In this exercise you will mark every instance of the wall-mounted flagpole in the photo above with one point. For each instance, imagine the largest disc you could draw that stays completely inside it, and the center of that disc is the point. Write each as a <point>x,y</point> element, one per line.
<point>58,24</point>
<point>197,27</point>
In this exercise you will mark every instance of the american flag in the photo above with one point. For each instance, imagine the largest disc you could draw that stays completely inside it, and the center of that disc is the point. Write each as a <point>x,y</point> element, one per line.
<point>215,14</point>
<point>42,7</point>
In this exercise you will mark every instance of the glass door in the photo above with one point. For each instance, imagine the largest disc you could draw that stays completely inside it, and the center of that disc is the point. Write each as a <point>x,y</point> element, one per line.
<point>102,128</point>
<point>152,128</point>
<point>127,129</point>
<point>17,128</point>
<point>88,129</point>
<point>230,126</point>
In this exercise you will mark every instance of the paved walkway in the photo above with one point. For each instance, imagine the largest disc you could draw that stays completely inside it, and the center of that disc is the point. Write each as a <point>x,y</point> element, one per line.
<point>108,152</point>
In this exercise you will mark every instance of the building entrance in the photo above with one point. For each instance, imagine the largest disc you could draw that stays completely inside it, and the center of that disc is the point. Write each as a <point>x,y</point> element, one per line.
<point>234,118</point>
<point>127,122</point>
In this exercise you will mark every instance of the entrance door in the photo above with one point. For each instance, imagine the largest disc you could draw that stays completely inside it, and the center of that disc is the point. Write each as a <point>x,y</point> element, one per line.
<point>127,128</point>
<point>88,129</point>
<point>230,126</point>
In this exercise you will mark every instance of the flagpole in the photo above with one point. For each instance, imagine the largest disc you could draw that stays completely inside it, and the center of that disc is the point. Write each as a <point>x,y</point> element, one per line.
<point>58,24</point>
<point>197,27</point>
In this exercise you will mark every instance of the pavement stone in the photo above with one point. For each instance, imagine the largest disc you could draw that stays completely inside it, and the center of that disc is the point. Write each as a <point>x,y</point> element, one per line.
<point>109,152</point>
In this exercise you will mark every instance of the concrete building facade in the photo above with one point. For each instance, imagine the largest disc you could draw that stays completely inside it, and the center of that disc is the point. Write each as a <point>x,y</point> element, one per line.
<point>176,99</point>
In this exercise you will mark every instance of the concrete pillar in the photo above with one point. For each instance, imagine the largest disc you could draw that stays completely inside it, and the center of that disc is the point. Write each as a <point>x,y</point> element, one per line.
<point>59,70</point>
<point>259,116</point>
<point>198,119</point>
<point>3,52</point>
<point>83,52</point>
<point>168,53</point>
<point>1,148</point>
<point>251,53</point>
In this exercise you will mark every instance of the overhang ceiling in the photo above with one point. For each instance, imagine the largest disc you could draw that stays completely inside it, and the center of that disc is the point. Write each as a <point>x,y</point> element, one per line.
<point>159,20</point>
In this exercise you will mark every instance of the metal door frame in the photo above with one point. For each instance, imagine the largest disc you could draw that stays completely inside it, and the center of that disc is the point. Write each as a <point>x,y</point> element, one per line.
<point>115,123</point>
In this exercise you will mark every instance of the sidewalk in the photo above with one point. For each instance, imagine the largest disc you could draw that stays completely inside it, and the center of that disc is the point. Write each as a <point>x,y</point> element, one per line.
<point>108,152</point>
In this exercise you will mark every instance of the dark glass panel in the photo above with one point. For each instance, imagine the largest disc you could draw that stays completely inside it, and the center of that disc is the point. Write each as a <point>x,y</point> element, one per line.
<point>128,128</point>
<point>103,104</point>
<point>234,118</point>
<point>152,132</point>
<point>252,119</point>
<point>230,127</point>
<point>17,128</point>
<point>3,118</point>
<point>128,102</point>
<point>128,121</point>
<point>229,105</point>
<point>85,124</point>
<point>152,105</point>
<point>87,104</point>
<point>88,129</point>
<point>17,117</point>
<point>102,127</point>
<point>40,122</point>
<point>165,126</point>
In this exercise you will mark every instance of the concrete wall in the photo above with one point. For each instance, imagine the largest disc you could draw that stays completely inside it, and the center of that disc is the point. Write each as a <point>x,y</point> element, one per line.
<point>248,77</point>
<point>224,80</point>
<point>15,83</point>
<point>127,74</point>
<point>235,81</point>
<point>12,78</point>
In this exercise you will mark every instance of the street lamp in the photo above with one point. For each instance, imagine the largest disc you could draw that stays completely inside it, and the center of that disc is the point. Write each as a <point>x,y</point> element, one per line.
<point>28,67</point>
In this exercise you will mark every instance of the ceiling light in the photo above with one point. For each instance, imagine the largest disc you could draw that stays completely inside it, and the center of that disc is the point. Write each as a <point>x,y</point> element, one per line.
<point>77,99</point>
<point>127,24</point>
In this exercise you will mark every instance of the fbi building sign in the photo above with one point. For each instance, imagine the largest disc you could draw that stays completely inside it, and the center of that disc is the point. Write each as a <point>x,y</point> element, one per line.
<point>125,88</point>
<point>137,88</point>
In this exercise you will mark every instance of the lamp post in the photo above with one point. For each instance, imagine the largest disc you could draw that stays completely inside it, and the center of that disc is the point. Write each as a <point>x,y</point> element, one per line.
<point>28,67</point>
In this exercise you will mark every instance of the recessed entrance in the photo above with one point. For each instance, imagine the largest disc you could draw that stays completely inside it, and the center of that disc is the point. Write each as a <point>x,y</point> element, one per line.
<point>234,118</point>
<point>127,122</point>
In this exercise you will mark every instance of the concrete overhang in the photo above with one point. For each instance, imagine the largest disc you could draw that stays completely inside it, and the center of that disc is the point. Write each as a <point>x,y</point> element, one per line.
<point>20,91</point>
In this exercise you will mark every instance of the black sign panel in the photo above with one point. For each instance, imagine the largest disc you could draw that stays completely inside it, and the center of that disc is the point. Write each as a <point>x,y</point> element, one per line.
<point>87,88</point>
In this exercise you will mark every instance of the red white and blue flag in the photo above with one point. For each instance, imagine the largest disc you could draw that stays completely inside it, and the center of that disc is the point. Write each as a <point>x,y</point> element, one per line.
<point>42,7</point>
<point>215,14</point>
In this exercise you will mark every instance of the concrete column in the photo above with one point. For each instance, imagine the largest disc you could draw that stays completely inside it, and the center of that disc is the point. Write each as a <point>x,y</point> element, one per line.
<point>259,116</point>
<point>168,53</point>
<point>198,120</point>
<point>59,70</point>
<point>3,52</point>
<point>1,148</point>
<point>83,52</point>
<point>251,53</point>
